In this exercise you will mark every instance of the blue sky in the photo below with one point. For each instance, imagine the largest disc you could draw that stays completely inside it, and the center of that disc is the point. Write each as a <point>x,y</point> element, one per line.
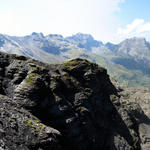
<point>132,9</point>
<point>134,18</point>
<point>106,20</point>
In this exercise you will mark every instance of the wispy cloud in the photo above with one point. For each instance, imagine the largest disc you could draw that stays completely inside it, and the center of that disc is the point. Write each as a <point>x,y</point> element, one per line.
<point>60,16</point>
<point>138,28</point>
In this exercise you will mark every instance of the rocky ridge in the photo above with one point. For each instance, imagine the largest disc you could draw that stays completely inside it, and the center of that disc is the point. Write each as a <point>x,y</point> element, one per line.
<point>73,105</point>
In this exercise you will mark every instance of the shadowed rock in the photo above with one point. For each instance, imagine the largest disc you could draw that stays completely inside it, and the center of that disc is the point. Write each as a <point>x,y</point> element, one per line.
<point>61,107</point>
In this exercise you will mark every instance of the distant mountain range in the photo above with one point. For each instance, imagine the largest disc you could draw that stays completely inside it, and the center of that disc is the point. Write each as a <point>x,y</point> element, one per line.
<point>128,62</point>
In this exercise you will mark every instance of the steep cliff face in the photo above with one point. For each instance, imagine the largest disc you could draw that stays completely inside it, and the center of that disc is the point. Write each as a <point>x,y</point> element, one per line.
<point>61,107</point>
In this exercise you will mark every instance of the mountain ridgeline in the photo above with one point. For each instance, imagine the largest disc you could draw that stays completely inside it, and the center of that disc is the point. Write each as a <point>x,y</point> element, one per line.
<point>128,62</point>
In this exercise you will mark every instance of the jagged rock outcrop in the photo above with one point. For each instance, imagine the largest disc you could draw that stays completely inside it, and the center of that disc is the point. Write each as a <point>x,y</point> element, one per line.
<point>61,107</point>
<point>141,96</point>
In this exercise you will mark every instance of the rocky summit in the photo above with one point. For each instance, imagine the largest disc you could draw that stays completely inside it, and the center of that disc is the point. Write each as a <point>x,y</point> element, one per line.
<point>69,106</point>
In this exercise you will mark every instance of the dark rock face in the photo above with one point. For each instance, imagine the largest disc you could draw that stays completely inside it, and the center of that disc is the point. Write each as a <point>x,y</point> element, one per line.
<point>61,107</point>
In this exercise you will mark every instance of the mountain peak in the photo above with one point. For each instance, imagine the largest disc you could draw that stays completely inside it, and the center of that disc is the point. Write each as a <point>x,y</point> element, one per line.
<point>82,36</point>
<point>55,36</point>
<point>84,41</point>
<point>135,40</point>
<point>37,34</point>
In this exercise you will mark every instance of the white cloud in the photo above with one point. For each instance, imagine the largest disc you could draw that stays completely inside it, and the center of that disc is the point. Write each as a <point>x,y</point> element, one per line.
<point>138,28</point>
<point>60,16</point>
<point>7,24</point>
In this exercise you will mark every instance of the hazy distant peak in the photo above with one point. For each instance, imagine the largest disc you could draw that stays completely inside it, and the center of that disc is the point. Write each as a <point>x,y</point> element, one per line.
<point>135,39</point>
<point>84,41</point>
<point>2,36</point>
<point>111,46</point>
<point>37,34</point>
<point>139,38</point>
<point>84,35</point>
<point>81,36</point>
<point>55,36</point>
